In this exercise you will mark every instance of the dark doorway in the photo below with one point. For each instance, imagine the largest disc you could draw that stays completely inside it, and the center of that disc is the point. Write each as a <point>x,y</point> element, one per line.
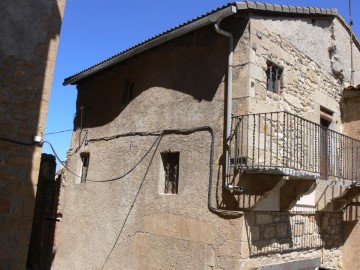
<point>325,122</point>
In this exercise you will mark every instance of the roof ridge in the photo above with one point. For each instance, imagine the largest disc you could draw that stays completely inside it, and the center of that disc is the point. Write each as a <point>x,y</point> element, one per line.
<point>286,8</point>
<point>193,24</point>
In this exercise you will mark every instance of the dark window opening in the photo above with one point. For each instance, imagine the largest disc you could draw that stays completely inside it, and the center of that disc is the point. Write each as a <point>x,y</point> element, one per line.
<point>298,229</point>
<point>129,91</point>
<point>85,166</point>
<point>171,171</point>
<point>325,122</point>
<point>273,75</point>
<point>325,116</point>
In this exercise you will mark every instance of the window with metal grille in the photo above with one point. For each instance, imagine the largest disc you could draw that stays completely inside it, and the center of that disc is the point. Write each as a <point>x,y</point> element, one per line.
<point>85,166</point>
<point>170,162</point>
<point>273,75</point>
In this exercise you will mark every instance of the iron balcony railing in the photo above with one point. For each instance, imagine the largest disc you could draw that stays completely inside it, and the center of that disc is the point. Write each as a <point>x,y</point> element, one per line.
<point>285,143</point>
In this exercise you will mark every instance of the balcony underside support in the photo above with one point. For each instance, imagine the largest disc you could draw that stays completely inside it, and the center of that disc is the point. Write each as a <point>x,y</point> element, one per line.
<point>292,190</point>
<point>276,191</point>
<point>338,203</point>
<point>258,183</point>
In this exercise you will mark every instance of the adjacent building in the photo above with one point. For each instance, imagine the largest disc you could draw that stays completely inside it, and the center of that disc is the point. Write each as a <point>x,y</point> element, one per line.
<point>223,143</point>
<point>29,34</point>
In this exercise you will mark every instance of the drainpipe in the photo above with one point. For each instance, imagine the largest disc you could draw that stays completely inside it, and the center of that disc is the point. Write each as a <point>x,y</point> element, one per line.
<point>228,95</point>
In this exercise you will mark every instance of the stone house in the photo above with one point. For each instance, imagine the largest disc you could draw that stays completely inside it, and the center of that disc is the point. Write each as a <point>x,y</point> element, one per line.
<point>29,36</point>
<point>218,144</point>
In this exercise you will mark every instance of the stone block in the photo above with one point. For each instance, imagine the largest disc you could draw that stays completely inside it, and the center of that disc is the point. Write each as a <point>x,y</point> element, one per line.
<point>28,208</point>
<point>180,227</point>
<point>17,161</point>
<point>8,178</point>
<point>210,256</point>
<point>269,232</point>
<point>312,76</point>
<point>230,263</point>
<point>240,87</point>
<point>241,57</point>
<point>230,249</point>
<point>141,245</point>
<point>262,219</point>
<point>254,233</point>
<point>6,129</point>
<point>51,24</point>
<point>282,230</point>
<point>230,230</point>
<point>5,206</point>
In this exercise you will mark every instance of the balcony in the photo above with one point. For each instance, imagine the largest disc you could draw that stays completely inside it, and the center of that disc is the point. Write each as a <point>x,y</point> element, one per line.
<point>286,144</point>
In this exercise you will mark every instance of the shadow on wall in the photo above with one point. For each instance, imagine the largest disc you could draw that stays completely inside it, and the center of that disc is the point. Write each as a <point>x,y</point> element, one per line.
<point>28,30</point>
<point>42,246</point>
<point>281,232</point>
<point>194,64</point>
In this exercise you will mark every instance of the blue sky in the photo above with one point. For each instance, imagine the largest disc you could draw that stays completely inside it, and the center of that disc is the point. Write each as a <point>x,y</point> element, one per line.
<point>95,30</point>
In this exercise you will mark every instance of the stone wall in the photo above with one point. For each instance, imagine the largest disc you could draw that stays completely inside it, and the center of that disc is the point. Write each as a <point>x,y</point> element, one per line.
<point>305,85</point>
<point>292,236</point>
<point>29,34</point>
<point>310,81</point>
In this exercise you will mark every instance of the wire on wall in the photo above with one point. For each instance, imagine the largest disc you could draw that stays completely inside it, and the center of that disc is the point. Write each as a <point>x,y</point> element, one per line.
<point>158,140</point>
<point>105,180</point>
<point>16,142</point>
<point>159,135</point>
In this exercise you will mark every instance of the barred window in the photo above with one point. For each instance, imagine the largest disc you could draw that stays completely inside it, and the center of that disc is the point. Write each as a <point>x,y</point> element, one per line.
<point>170,162</point>
<point>273,75</point>
<point>85,166</point>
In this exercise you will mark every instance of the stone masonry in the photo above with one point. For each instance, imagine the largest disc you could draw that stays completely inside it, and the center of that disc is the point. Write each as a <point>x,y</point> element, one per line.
<point>29,34</point>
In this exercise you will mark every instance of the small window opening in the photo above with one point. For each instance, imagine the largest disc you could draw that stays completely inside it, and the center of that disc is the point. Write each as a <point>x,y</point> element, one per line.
<point>171,171</point>
<point>326,116</point>
<point>298,229</point>
<point>85,166</point>
<point>273,75</point>
<point>130,91</point>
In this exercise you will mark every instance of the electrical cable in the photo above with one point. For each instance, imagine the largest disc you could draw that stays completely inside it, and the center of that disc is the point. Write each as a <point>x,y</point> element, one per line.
<point>134,201</point>
<point>185,132</point>
<point>16,142</point>
<point>133,168</point>
<point>57,132</point>
<point>162,133</point>
<point>106,180</point>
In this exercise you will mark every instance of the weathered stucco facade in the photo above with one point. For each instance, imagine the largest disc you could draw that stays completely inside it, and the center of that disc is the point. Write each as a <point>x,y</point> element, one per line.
<point>172,99</point>
<point>29,34</point>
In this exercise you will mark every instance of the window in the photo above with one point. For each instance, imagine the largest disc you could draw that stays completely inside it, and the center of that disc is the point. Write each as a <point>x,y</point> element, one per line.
<point>129,91</point>
<point>85,166</point>
<point>170,162</point>
<point>298,228</point>
<point>324,140</point>
<point>273,75</point>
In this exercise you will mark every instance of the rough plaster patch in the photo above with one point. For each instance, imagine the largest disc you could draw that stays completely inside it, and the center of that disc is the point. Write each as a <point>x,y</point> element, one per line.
<point>180,227</point>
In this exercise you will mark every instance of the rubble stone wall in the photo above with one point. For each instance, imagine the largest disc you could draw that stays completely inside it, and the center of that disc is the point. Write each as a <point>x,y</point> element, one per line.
<point>29,34</point>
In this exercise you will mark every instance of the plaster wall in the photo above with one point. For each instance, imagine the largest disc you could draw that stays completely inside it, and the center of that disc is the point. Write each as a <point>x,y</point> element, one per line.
<point>341,56</point>
<point>178,85</point>
<point>351,119</point>
<point>129,223</point>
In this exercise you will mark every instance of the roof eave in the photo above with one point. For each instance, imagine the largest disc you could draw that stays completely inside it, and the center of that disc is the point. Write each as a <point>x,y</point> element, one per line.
<point>211,18</point>
<point>200,22</point>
